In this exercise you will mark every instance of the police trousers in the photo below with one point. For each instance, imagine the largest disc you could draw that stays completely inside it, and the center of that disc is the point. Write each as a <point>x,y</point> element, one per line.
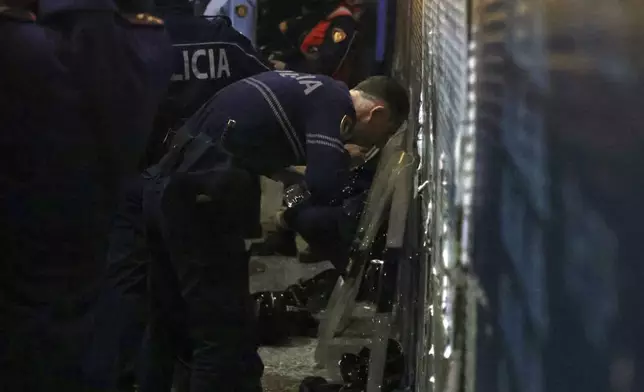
<point>201,309</point>
<point>122,309</point>
<point>42,351</point>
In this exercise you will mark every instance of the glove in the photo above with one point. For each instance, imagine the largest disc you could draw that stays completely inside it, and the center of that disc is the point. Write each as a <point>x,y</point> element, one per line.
<point>296,195</point>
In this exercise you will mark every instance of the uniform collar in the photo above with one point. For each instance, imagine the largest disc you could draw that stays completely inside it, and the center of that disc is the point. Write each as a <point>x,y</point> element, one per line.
<point>49,7</point>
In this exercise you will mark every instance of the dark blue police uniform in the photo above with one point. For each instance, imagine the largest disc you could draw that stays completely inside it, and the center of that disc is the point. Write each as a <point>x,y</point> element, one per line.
<point>79,88</point>
<point>208,55</point>
<point>280,119</point>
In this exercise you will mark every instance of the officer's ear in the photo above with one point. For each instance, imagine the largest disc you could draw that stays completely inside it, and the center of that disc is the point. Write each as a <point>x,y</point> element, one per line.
<point>379,114</point>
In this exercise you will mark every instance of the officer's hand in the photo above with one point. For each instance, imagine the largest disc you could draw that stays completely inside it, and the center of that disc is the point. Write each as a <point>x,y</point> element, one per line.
<point>357,153</point>
<point>279,65</point>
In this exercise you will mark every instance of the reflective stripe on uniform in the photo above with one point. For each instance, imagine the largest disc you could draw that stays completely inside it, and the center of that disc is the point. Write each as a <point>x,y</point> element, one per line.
<point>280,115</point>
<point>324,140</point>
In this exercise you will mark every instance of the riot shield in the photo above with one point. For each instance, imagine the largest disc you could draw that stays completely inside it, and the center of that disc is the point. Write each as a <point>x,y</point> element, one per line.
<point>395,162</point>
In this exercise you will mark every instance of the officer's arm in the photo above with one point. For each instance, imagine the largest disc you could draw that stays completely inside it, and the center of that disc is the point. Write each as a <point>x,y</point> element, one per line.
<point>327,169</point>
<point>333,50</point>
<point>329,227</point>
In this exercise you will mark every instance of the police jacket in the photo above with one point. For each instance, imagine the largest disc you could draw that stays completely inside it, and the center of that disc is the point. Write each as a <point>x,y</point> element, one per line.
<point>209,55</point>
<point>282,119</point>
<point>324,47</point>
<point>79,87</point>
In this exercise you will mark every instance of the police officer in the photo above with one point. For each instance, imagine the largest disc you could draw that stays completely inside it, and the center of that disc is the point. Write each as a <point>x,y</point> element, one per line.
<point>324,39</point>
<point>79,87</point>
<point>208,55</point>
<point>259,125</point>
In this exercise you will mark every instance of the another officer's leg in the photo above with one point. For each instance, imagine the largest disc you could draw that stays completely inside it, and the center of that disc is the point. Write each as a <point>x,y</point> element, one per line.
<point>211,260</point>
<point>121,313</point>
<point>255,208</point>
<point>41,349</point>
<point>166,328</point>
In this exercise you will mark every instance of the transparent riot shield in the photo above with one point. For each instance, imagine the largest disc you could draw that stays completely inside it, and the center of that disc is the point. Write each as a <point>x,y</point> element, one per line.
<point>394,164</point>
<point>387,302</point>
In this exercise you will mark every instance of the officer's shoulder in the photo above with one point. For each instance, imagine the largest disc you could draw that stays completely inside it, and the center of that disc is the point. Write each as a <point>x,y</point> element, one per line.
<point>221,20</point>
<point>144,20</point>
<point>16,14</point>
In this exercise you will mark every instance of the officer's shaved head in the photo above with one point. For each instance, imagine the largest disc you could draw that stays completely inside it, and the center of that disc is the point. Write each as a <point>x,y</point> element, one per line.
<point>382,105</point>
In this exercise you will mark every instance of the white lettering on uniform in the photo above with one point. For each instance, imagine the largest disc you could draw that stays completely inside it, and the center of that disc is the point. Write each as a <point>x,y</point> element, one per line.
<point>308,81</point>
<point>195,68</point>
<point>218,66</point>
<point>223,66</point>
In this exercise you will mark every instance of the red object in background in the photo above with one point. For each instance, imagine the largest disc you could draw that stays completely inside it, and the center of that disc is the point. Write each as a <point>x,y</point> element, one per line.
<point>316,36</point>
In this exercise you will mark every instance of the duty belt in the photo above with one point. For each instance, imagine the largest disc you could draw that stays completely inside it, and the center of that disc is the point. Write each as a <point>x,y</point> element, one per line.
<point>185,151</point>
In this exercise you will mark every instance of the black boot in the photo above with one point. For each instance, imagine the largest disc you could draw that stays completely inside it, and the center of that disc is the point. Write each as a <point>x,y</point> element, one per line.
<point>279,317</point>
<point>282,314</point>
<point>271,308</point>
<point>314,293</point>
<point>355,368</point>
<point>277,243</point>
<point>318,384</point>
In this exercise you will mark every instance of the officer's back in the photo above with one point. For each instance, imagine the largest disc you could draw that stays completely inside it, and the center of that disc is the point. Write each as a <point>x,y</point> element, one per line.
<point>209,55</point>
<point>79,90</point>
<point>281,119</point>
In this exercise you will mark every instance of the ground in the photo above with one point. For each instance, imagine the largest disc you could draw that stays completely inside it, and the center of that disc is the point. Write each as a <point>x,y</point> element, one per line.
<point>286,366</point>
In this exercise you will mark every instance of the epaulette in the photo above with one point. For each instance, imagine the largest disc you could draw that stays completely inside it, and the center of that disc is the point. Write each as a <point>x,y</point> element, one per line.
<point>222,18</point>
<point>17,14</point>
<point>144,20</point>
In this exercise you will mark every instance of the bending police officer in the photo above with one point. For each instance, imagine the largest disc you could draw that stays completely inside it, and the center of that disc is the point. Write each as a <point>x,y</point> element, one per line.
<point>259,125</point>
